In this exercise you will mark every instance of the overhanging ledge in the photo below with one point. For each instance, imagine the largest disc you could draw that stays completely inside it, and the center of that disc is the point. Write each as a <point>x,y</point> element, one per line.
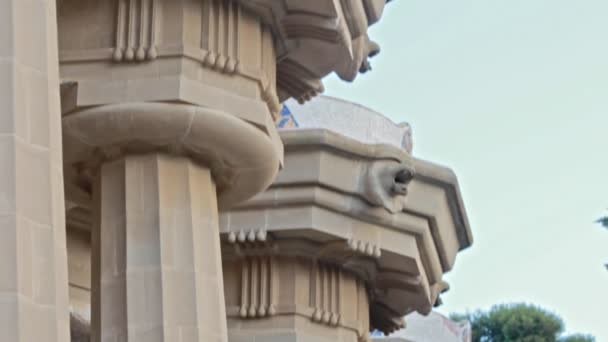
<point>395,221</point>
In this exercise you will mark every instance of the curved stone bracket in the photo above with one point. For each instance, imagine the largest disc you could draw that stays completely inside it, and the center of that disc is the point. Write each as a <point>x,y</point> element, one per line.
<point>243,158</point>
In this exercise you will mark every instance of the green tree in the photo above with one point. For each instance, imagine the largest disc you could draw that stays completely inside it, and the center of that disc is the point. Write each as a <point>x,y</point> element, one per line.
<point>517,323</point>
<point>578,338</point>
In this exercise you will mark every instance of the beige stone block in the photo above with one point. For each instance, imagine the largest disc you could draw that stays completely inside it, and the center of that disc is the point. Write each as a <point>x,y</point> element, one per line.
<point>34,285</point>
<point>145,334</point>
<point>112,309</point>
<point>300,167</point>
<point>144,295</point>
<point>96,15</point>
<point>340,173</point>
<point>37,107</point>
<point>7,95</point>
<point>7,176</point>
<point>166,243</point>
<point>6,30</point>
<point>291,218</point>
<point>58,210</point>
<point>20,112</point>
<point>31,19</point>
<point>25,254</point>
<point>8,255</point>
<point>28,327</point>
<point>90,72</point>
<point>33,181</point>
<point>178,287</point>
<point>44,274</point>
<point>246,220</point>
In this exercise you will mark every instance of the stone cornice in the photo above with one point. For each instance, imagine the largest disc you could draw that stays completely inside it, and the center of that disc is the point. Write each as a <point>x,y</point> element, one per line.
<point>317,37</point>
<point>425,171</point>
<point>396,221</point>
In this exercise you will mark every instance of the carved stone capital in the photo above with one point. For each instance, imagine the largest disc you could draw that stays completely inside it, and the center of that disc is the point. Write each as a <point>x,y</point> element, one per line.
<point>362,209</point>
<point>243,160</point>
<point>194,78</point>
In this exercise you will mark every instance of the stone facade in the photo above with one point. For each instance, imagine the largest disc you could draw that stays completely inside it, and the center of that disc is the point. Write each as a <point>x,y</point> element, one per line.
<point>147,129</point>
<point>349,238</point>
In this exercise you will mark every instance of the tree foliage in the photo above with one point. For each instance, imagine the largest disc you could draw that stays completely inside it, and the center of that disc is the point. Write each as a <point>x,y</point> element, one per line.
<point>578,338</point>
<point>517,323</point>
<point>603,221</point>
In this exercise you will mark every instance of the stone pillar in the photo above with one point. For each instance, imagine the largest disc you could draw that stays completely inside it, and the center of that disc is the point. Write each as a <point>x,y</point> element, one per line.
<point>157,252</point>
<point>33,261</point>
<point>169,111</point>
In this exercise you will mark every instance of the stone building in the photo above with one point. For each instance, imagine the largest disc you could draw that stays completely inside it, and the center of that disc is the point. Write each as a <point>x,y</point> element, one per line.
<point>140,191</point>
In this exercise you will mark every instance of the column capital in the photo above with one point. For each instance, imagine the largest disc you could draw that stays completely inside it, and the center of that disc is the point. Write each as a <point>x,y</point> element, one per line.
<point>394,221</point>
<point>193,78</point>
<point>242,158</point>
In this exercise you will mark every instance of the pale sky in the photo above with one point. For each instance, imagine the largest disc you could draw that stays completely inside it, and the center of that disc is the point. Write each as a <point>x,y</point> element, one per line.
<point>513,95</point>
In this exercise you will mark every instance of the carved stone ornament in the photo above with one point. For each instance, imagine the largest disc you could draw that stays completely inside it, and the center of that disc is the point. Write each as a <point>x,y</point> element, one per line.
<point>386,184</point>
<point>317,37</point>
<point>346,222</point>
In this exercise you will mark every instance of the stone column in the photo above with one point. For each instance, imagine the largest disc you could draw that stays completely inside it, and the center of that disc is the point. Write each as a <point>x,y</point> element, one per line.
<point>157,252</point>
<point>169,111</point>
<point>156,273</point>
<point>33,261</point>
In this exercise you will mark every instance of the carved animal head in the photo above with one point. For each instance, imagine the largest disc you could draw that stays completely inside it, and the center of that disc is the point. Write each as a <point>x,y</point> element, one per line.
<point>401,180</point>
<point>386,183</point>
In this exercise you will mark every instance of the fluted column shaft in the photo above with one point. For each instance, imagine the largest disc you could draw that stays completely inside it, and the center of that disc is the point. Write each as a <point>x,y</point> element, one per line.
<point>33,257</point>
<point>156,253</point>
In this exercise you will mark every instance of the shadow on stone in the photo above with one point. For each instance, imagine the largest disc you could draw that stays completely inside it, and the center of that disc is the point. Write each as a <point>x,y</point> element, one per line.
<point>80,329</point>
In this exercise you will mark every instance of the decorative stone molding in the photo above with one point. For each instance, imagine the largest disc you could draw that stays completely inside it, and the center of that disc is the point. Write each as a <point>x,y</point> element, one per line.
<point>363,248</point>
<point>393,222</point>
<point>315,38</point>
<point>258,287</point>
<point>325,294</point>
<point>136,30</point>
<point>242,159</point>
<point>251,236</point>
<point>317,219</point>
<point>152,50</point>
<point>270,294</point>
<point>220,35</point>
<point>385,184</point>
